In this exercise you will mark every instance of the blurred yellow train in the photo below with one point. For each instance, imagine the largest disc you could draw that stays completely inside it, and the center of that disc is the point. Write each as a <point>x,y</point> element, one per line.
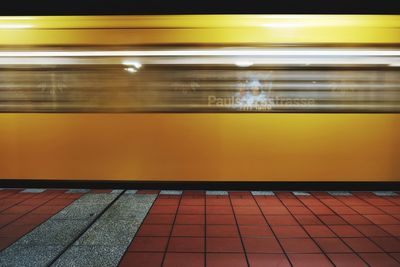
<point>200,98</point>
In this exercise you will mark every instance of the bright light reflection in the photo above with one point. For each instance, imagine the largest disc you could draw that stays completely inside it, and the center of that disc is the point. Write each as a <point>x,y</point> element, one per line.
<point>205,52</point>
<point>244,63</point>
<point>15,26</point>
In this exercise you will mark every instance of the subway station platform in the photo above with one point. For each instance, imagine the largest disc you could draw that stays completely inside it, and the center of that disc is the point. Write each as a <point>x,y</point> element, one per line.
<point>80,227</point>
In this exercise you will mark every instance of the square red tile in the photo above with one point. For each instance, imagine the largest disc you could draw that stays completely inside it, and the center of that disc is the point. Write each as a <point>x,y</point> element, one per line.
<point>31,219</point>
<point>343,210</point>
<point>361,244</point>
<point>166,202</point>
<point>261,245</point>
<point>255,231</point>
<point>289,231</point>
<point>372,230</point>
<point>223,244</point>
<point>268,260</point>
<point>367,210</point>
<point>250,219</point>
<point>247,210</point>
<point>355,219</point>
<point>190,219</point>
<point>8,218</point>
<point>154,230</point>
<point>19,209</point>
<point>193,201</point>
<point>347,260</point>
<point>270,201</point>
<point>191,210</point>
<point>391,209</point>
<point>299,210</point>
<point>321,210</point>
<point>391,229</point>
<point>161,209</point>
<point>308,260</point>
<point>218,201</point>
<point>219,210</point>
<point>332,202</point>
<point>47,209</point>
<point>141,259</point>
<point>14,230</point>
<point>379,260</point>
<point>345,231</point>
<point>220,219</point>
<point>308,219</point>
<point>319,231</point>
<point>379,201</point>
<point>222,231</point>
<point>186,244</point>
<point>243,202</point>
<point>382,219</point>
<point>388,244</point>
<point>281,220</point>
<point>332,245</point>
<point>159,219</point>
<point>299,245</point>
<point>184,259</point>
<point>226,259</point>
<point>291,202</point>
<point>332,219</point>
<point>188,230</point>
<point>60,201</point>
<point>266,210</point>
<point>148,244</point>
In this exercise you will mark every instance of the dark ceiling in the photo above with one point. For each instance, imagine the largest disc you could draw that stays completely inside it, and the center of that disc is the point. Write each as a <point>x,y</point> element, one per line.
<point>132,7</point>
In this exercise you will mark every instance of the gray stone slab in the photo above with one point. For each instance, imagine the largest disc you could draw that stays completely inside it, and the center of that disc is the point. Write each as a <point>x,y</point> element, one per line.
<point>262,193</point>
<point>171,192</point>
<point>105,242</point>
<point>28,256</point>
<point>339,193</point>
<point>95,199</point>
<point>122,212</point>
<point>216,193</point>
<point>33,190</point>
<point>54,232</point>
<point>301,193</point>
<point>116,191</point>
<point>385,193</point>
<point>79,211</point>
<point>71,191</point>
<point>129,207</point>
<point>94,256</point>
<point>130,192</point>
<point>109,233</point>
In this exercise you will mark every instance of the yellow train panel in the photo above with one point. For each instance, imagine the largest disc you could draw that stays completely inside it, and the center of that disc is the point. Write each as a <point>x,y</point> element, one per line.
<point>201,147</point>
<point>200,30</point>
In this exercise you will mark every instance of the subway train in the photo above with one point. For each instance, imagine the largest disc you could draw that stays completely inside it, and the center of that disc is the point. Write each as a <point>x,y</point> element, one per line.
<point>200,98</point>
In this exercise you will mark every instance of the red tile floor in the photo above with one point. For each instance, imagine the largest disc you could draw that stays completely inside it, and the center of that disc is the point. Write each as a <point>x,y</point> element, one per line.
<point>284,229</point>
